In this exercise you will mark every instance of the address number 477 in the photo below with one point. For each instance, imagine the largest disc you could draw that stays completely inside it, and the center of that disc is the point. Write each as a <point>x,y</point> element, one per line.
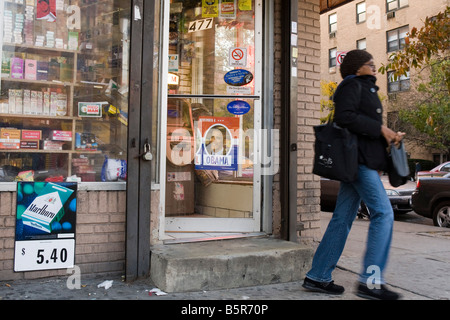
<point>200,25</point>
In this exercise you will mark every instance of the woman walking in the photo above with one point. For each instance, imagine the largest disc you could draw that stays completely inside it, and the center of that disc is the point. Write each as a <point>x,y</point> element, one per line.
<point>358,108</point>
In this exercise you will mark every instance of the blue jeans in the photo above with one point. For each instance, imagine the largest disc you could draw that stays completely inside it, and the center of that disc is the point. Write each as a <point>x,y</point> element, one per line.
<point>369,188</point>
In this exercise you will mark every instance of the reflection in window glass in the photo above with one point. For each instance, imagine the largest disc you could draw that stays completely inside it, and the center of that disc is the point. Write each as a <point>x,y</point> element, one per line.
<point>203,47</point>
<point>396,38</point>
<point>332,23</point>
<point>360,12</point>
<point>332,57</point>
<point>64,90</point>
<point>401,83</point>
<point>210,138</point>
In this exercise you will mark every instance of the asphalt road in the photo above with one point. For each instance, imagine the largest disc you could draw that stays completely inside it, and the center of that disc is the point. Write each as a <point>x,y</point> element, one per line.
<point>413,217</point>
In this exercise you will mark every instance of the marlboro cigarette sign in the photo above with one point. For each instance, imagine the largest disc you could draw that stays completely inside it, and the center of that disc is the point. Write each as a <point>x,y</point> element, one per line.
<point>47,207</point>
<point>45,226</point>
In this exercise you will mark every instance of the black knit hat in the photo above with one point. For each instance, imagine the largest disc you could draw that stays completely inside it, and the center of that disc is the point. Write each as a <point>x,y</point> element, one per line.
<point>354,60</point>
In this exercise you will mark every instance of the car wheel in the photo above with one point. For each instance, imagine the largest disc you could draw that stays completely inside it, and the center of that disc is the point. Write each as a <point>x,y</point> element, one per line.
<point>441,215</point>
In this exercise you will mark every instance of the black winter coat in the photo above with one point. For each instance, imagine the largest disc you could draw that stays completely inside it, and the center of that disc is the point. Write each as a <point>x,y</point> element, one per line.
<point>358,108</point>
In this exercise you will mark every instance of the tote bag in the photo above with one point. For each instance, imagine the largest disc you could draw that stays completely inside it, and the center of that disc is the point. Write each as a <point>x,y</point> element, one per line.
<point>398,169</point>
<point>335,153</point>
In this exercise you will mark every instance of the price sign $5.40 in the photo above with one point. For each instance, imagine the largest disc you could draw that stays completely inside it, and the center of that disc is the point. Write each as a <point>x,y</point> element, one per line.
<point>44,255</point>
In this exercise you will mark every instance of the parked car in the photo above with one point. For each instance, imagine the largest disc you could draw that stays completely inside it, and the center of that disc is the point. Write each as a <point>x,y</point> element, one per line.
<point>400,197</point>
<point>439,171</point>
<point>431,199</point>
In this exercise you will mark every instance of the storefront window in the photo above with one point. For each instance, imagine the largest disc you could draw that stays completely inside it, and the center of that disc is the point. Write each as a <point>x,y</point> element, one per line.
<point>64,90</point>
<point>213,116</point>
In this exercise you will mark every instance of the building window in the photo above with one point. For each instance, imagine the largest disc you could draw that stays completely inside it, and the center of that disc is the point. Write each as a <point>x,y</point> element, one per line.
<point>398,84</point>
<point>361,44</point>
<point>64,91</point>
<point>332,23</point>
<point>332,57</point>
<point>392,5</point>
<point>360,12</point>
<point>396,38</point>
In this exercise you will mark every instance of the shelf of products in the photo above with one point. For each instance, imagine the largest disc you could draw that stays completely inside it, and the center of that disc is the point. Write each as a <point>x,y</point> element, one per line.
<point>64,90</point>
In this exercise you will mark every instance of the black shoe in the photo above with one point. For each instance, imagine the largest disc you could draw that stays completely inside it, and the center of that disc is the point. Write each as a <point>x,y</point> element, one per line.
<point>324,287</point>
<point>383,293</point>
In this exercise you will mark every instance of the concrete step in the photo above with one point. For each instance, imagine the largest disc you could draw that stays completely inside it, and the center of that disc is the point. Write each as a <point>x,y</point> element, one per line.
<point>227,264</point>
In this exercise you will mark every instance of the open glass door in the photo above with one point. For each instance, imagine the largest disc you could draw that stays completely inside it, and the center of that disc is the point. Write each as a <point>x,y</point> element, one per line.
<point>211,114</point>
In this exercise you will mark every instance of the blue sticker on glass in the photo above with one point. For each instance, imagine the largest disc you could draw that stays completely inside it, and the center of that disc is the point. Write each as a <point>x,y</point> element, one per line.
<point>238,107</point>
<point>239,77</point>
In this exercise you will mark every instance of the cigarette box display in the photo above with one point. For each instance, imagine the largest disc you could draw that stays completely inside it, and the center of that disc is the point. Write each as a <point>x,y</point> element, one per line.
<point>9,143</point>
<point>9,133</point>
<point>42,71</point>
<point>59,135</point>
<point>16,68</point>
<point>12,101</point>
<point>19,100</point>
<point>29,144</point>
<point>30,69</point>
<point>52,145</point>
<point>31,134</point>
<point>47,207</point>
<point>26,102</point>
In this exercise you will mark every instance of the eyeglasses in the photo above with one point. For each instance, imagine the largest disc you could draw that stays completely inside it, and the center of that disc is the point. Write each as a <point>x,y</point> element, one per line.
<point>370,65</point>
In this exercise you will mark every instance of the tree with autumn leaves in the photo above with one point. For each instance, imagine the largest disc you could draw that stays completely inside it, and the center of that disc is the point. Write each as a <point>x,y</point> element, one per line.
<point>428,51</point>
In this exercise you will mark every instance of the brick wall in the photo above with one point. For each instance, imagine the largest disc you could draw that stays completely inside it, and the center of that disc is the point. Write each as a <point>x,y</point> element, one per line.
<point>308,108</point>
<point>100,235</point>
<point>308,116</point>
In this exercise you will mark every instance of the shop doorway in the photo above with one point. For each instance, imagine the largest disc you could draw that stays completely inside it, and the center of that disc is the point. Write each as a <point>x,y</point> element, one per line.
<point>211,117</point>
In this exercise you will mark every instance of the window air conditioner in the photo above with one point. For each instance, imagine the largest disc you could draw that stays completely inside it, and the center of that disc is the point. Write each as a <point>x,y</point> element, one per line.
<point>332,34</point>
<point>391,15</point>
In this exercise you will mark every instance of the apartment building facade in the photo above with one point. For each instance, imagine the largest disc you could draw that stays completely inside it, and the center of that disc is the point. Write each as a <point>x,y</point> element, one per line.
<point>380,27</point>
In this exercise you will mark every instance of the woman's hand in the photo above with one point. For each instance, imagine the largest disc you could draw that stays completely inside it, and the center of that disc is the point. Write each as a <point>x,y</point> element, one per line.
<point>392,136</point>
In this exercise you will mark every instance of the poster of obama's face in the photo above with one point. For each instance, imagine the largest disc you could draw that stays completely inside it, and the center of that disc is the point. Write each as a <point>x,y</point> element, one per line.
<point>217,143</point>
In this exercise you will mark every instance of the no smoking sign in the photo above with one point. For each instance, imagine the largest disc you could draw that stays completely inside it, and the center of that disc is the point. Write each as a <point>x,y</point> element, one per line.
<point>238,57</point>
<point>340,55</point>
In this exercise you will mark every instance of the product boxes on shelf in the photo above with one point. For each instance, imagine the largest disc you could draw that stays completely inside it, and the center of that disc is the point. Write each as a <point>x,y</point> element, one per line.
<point>31,134</point>
<point>85,141</point>
<point>53,103</point>
<point>53,145</point>
<point>46,104</point>
<point>9,143</point>
<point>59,135</point>
<point>30,69</point>
<point>6,66</point>
<point>12,100</point>
<point>42,71</point>
<point>16,68</point>
<point>33,102</point>
<point>26,102</point>
<point>40,97</point>
<point>29,144</point>
<point>4,107</point>
<point>19,100</point>
<point>9,133</point>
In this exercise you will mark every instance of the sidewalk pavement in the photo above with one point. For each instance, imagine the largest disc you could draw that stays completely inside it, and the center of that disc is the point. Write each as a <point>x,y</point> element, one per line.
<point>418,269</point>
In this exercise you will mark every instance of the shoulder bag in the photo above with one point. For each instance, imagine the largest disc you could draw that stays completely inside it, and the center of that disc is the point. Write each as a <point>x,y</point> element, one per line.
<point>336,153</point>
<point>336,150</point>
<point>398,169</point>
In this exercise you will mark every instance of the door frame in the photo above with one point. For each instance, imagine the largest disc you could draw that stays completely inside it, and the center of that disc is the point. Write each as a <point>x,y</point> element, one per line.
<point>233,224</point>
<point>137,260</point>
